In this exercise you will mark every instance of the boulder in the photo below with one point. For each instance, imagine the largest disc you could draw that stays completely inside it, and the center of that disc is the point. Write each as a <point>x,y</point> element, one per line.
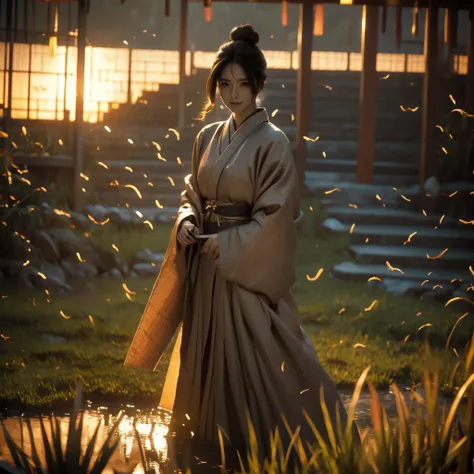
<point>145,269</point>
<point>401,287</point>
<point>45,244</point>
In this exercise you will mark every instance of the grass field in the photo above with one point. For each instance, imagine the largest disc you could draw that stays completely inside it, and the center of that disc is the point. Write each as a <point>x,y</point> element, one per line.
<point>42,353</point>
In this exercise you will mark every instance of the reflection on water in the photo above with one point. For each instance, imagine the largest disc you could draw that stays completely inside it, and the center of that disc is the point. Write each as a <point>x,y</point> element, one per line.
<point>151,426</point>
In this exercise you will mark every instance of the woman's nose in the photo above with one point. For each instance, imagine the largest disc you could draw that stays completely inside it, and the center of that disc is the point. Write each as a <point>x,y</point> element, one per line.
<point>235,92</point>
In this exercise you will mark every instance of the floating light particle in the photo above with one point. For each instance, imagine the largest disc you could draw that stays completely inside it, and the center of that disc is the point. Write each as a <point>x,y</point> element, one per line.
<point>128,168</point>
<point>318,274</point>
<point>107,128</point>
<point>160,206</point>
<point>471,270</point>
<point>188,104</point>
<point>424,212</point>
<point>324,154</point>
<point>292,117</point>
<point>162,158</point>
<point>175,132</point>
<point>130,141</point>
<point>115,247</point>
<point>453,194</point>
<point>60,142</point>
<point>393,269</point>
<point>65,316</point>
<point>462,221</point>
<point>378,197</point>
<point>97,222</point>
<point>282,367</point>
<point>372,305</point>
<point>384,78</point>
<point>274,112</point>
<point>26,263</point>
<point>352,228</point>
<point>125,42</point>
<point>83,176</point>
<point>437,256</point>
<point>309,139</point>
<point>355,206</point>
<point>128,296</point>
<point>427,325</point>
<point>178,159</point>
<point>27,181</point>
<point>127,289</point>
<point>131,186</point>
<point>170,179</point>
<point>80,258</point>
<point>91,319</point>
<point>359,345</point>
<point>452,99</point>
<point>5,338</point>
<point>149,224</point>
<point>459,298</point>
<point>440,128</point>
<point>24,131</point>
<point>283,86</point>
<point>304,391</point>
<point>444,150</point>
<point>374,278</point>
<point>103,165</point>
<point>405,198</point>
<point>332,191</point>
<point>139,214</point>
<point>42,275</point>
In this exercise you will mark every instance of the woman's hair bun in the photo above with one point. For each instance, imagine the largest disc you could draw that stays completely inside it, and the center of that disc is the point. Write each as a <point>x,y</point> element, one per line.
<point>244,33</point>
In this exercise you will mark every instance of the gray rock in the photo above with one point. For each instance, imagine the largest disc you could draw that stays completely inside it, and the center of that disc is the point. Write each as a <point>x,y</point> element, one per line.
<point>440,293</point>
<point>53,281</point>
<point>400,287</point>
<point>81,222</point>
<point>97,211</point>
<point>335,225</point>
<point>77,269</point>
<point>11,268</point>
<point>147,256</point>
<point>134,274</point>
<point>52,270</point>
<point>145,269</point>
<point>45,244</point>
<point>114,273</point>
<point>67,241</point>
<point>375,285</point>
<point>432,186</point>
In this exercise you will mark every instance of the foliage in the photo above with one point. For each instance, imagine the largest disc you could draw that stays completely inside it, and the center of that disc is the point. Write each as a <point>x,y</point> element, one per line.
<point>71,459</point>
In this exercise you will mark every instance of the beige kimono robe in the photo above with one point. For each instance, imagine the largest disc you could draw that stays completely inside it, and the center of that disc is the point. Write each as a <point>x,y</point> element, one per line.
<point>241,346</point>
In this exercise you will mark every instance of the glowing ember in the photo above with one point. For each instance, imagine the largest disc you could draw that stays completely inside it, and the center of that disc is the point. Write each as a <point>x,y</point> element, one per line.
<point>64,315</point>
<point>372,306</point>
<point>320,271</point>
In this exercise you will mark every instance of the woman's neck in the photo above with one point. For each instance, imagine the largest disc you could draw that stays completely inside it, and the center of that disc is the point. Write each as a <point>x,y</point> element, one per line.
<point>239,118</point>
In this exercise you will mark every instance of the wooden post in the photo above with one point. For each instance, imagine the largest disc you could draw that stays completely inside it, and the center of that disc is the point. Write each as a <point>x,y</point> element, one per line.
<point>183,34</point>
<point>79,125</point>
<point>303,87</point>
<point>9,45</point>
<point>129,77</point>
<point>470,65</point>
<point>450,38</point>
<point>368,95</point>
<point>429,104</point>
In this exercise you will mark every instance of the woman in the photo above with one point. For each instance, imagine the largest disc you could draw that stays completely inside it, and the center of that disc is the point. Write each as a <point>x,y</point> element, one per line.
<point>241,348</point>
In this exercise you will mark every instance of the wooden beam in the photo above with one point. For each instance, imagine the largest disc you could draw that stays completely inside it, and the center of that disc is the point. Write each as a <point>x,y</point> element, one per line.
<point>450,38</point>
<point>183,39</point>
<point>470,65</point>
<point>368,95</point>
<point>303,86</point>
<point>429,108</point>
<point>78,197</point>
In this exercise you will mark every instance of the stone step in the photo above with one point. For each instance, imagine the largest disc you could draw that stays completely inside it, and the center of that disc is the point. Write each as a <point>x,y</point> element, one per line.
<point>382,215</point>
<point>359,271</point>
<point>408,256</point>
<point>398,235</point>
<point>328,177</point>
<point>350,165</point>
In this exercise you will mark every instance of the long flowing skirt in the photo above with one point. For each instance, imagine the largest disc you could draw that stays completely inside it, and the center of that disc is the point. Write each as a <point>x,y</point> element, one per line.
<point>243,358</point>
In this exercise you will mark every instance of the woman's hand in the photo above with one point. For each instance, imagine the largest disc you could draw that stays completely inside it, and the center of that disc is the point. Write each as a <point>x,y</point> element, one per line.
<point>186,234</point>
<point>211,247</point>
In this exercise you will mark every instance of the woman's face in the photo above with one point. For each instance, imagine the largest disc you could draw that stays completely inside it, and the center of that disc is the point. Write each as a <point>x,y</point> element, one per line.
<point>235,90</point>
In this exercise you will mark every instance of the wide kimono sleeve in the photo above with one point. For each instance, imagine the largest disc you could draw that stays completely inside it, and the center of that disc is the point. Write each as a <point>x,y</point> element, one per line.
<point>259,255</point>
<point>188,208</point>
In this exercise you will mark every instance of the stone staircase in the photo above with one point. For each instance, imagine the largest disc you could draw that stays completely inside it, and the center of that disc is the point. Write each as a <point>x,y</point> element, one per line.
<point>391,240</point>
<point>332,158</point>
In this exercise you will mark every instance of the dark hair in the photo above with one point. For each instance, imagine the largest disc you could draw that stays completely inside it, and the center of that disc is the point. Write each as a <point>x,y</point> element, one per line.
<point>241,48</point>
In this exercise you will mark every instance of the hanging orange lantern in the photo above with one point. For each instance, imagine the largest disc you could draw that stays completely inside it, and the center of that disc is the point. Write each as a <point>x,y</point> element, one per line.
<point>318,20</point>
<point>284,13</point>
<point>415,27</point>
<point>207,10</point>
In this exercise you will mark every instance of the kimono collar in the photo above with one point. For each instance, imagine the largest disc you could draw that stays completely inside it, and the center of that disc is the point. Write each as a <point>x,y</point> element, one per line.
<point>229,132</point>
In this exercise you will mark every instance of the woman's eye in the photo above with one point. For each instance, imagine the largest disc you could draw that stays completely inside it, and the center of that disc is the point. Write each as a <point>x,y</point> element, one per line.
<point>245,84</point>
<point>224,84</point>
